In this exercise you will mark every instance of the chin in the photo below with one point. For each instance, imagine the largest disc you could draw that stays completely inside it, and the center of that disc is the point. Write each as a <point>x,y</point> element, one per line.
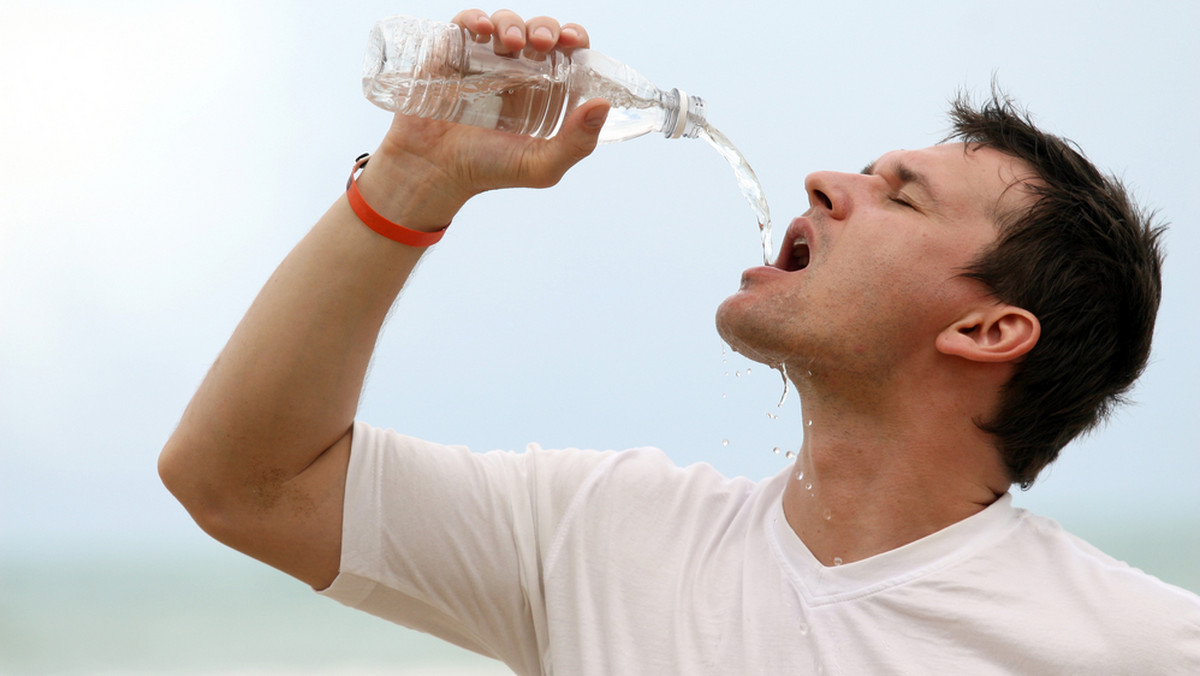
<point>728,315</point>
<point>736,327</point>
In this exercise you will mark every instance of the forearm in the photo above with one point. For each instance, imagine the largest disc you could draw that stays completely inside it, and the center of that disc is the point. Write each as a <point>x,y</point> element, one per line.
<point>261,454</point>
<point>286,386</point>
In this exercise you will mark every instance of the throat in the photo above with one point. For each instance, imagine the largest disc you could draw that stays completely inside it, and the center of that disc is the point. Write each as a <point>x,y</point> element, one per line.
<point>851,505</point>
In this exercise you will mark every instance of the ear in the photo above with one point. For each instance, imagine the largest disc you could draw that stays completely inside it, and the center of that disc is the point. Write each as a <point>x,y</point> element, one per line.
<point>1001,333</point>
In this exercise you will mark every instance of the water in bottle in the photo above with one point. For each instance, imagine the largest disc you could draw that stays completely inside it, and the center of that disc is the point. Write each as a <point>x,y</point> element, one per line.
<point>436,70</point>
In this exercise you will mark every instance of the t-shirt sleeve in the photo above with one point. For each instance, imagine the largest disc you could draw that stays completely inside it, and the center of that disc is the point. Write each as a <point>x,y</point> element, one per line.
<point>451,542</point>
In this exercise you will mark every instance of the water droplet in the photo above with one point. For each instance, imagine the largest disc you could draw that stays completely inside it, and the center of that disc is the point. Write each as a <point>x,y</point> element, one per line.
<point>837,560</point>
<point>775,450</point>
<point>828,514</point>
<point>747,370</point>
<point>783,374</point>
<point>790,455</point>
<point>808,486</point>
<point>723,395</point>
<point>809,423</point>
<point>737,374</point>
<point>724,442</point>
<point>799,475</point>
<point>810,374</point>
<point>727,373</point>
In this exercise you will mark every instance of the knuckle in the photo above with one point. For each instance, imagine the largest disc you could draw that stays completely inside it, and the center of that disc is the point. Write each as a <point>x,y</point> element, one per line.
<point>544,21</point>
<point>507,17</point>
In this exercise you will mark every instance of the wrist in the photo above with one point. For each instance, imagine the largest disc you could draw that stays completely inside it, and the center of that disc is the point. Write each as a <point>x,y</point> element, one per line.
<point>408,192</point>
<point>381,225</point>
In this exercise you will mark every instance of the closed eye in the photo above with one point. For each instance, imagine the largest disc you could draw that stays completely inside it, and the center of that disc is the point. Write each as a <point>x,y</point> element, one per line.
<point>902,202</point>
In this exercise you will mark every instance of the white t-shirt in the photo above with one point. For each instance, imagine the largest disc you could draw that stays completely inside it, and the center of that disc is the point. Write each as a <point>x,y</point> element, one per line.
<point>581,562</point>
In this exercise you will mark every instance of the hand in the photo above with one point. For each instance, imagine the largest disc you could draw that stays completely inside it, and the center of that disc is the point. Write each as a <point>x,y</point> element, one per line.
<point>511,34</point>
<point>459,161</point>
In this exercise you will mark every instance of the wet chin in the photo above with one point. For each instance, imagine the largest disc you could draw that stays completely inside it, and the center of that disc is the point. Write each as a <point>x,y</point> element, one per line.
<point>748,340</point>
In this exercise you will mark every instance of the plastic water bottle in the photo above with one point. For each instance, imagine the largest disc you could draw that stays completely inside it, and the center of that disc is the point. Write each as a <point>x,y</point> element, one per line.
<point>435,70</point>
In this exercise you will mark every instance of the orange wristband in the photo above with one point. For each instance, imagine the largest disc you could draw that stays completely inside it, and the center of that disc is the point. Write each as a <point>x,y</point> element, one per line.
<point>381,225</point>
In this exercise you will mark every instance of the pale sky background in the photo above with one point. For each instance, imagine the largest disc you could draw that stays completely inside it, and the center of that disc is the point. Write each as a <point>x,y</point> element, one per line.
<point>160,158</point>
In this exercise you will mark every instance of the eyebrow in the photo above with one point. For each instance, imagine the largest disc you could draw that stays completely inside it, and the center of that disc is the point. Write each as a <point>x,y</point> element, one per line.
<point>907,175</point>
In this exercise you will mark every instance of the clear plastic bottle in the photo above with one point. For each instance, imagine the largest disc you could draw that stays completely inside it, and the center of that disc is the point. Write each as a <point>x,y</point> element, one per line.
<point>435,70</point>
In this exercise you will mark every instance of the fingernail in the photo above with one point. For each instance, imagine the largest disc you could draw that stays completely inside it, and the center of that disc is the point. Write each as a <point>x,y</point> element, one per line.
<point>570,33</point>
<point>515,32</point>
<point>543,33</point>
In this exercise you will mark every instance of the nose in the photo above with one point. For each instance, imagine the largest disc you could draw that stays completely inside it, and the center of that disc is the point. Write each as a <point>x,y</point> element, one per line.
<point>829,190</point>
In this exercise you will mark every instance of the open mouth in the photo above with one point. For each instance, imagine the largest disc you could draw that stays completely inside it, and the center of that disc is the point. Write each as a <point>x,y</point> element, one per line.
<point>794,254</point>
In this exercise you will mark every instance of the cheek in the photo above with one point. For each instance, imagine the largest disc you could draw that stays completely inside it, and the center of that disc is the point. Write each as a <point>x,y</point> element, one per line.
<point>889,276</point>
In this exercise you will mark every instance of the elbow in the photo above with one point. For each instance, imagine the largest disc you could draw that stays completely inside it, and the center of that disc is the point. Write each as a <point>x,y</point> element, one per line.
<point>172,461</point>
<point>166,466</point>
<point>182,471</point>
<point>224,502</point>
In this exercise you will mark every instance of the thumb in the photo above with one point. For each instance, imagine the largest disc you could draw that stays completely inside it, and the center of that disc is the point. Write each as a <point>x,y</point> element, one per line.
<point>575,140</point>
<point>581,130</point>
<point>595,112</point>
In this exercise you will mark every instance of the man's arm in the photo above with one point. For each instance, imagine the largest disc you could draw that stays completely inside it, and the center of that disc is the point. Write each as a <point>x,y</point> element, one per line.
<point>259,458</point>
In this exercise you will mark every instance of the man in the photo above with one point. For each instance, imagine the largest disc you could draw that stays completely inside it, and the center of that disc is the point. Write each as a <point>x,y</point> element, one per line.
<point>950,316</point>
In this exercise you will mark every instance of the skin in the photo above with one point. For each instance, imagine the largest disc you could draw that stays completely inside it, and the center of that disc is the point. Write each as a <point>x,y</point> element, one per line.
<point>893,353</point>
<point>260,456</point>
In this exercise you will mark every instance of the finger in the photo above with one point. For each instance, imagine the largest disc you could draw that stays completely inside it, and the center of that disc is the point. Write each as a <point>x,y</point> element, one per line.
<point>510,32</point>
<point>476,21</point>
<point>548,160</point>
<point>543,33</point>
<point>573,36</point>
<point>581,131</point>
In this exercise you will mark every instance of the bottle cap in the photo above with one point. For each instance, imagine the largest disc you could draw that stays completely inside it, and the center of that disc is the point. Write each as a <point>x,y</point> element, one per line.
<point>681,117</point>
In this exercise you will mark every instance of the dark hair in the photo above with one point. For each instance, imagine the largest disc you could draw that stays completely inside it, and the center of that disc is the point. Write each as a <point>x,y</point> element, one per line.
<point>1083,259</point>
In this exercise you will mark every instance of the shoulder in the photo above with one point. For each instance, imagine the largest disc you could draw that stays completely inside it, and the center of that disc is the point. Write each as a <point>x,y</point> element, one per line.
<point>375,450</point>
<point>1141,614</point>
<point>641,498</point>
<point>648,475</point>
<point>386,463</point>
<point>1071,558</point>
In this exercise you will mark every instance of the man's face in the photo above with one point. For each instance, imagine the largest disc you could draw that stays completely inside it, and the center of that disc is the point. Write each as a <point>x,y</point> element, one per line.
<point>870,274</point>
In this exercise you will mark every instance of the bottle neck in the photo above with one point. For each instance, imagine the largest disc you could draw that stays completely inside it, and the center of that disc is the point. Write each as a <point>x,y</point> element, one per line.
<point>685,115</point>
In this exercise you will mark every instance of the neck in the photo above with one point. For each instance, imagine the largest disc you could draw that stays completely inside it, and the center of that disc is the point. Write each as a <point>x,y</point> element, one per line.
<point>875,475</point>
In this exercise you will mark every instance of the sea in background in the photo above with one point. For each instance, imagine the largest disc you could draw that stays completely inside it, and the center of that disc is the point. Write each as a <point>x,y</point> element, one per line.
<point>205,610</point>
<point>202,612</point>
